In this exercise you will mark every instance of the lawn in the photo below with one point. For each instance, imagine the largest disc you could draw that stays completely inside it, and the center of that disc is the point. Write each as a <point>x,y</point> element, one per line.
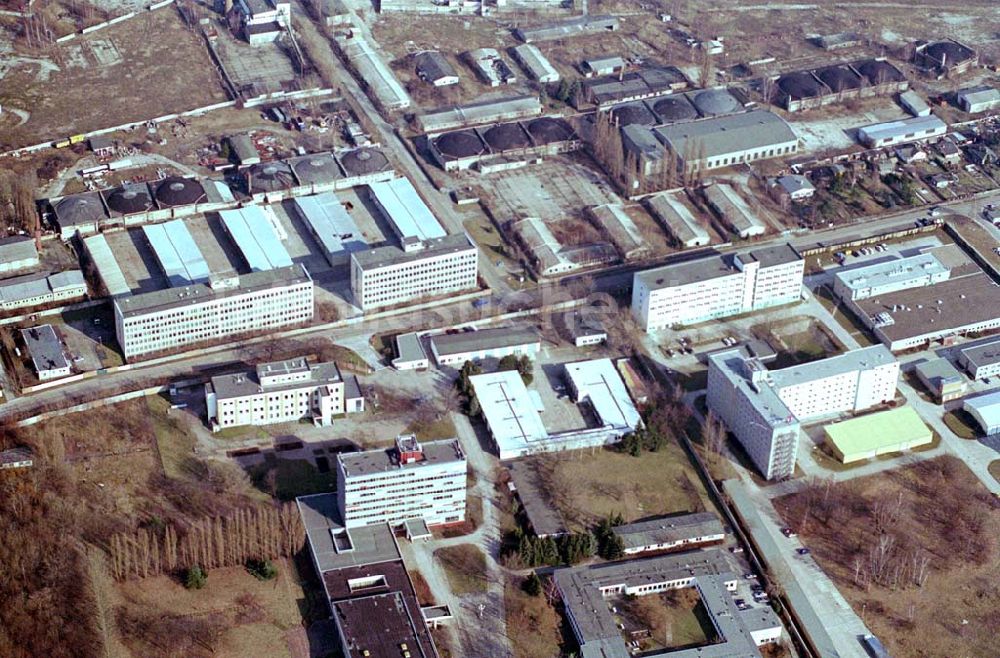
<point>930,595</point>
<point>538,625</point>
<point>238,614</point>
<point>431,429</point>
<point>961,423</point>
<point>586,486</point>
<point>292,478</point>
<point>465,565</point>
<point>675,619</point>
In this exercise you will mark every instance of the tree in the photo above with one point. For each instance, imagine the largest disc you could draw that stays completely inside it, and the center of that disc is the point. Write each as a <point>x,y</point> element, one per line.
<point>196,578</point>
<point>609,545</point>
<point>262,569</point>
<point>713,434</point>
<point>526,369</point>
<point>532,585</point>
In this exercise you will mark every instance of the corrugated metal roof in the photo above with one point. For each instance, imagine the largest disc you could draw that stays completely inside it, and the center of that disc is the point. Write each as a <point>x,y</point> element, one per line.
<point>727,134</point>
<point>410,216</point>
<point>256,238</point>
<point>177,253</point>
<point>107,266</point>
<point>330,223</point>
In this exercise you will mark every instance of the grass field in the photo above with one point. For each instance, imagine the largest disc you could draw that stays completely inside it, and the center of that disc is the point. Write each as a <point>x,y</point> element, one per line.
<point>539,633</point>
<point>253,617</point>
<point>931,595</point>
<point>961,423</point>
<point>586,486</point>
<point>674,619</point>
<point>466,568</point>
<point>138,80</point>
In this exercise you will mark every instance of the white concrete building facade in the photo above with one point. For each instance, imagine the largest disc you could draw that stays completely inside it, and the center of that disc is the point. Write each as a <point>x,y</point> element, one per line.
<point>716,286</point>
<point>412,480</point>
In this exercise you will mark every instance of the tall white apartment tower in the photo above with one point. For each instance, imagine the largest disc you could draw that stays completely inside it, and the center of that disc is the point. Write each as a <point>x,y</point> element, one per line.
<point>411,481</point>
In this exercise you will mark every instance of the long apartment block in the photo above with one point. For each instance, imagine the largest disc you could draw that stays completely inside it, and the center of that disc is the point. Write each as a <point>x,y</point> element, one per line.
<point>411,481</point>
<point>716,286</point>
<point>281,392</point>
<point>223,307</point>
<point>764,408</point>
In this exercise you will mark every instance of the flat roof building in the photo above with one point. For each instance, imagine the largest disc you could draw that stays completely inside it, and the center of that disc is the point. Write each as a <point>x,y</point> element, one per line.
<point>388,275</point>
<point>381,82</point>
<point>494,343</point>
<point>712,286</point>
<point>46,352</point>
<point>411,481</point>
<point>670,532</point>
<point>598,383</point>
<point>569,28</point>
<point>278,392</point>
<point>511,413</point>
<point>985,409</point>
<point>914,104</point>
<point>37,289</point>
<point>729,140</point>
<point>491,111</point>
<point>978,99</point>
<point>17,252</point>
<point>410,353</point>
<point>585,593</point>
<point>764,408</point>
<point>869,436</point>
<point>252,230</point>
<point>942,379</point>
<point>224,307</point>
<point>981,360</point>
<point>331,226</point>
<point>902,131</point>
<point>108,270</point>
<point>890,276</point>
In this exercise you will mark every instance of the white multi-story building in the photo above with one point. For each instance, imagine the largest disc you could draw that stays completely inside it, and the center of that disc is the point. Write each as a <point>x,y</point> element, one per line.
<point>891,276</point>
<point>389,275</point>
<point>716,286</point>
<point>223,307</point>
<point>281,392</point>
<point>764,408</point>
<point>411,481</point>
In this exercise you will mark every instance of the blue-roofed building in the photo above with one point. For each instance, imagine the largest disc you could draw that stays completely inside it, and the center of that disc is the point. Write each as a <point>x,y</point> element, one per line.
<point>256,238</point>
<point>176,252</point>
<point>411,219</point>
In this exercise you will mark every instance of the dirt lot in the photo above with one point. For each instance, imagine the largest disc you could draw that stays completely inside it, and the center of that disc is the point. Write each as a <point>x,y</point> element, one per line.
<point>140,82</point>
<point>251,617</point>
<point>587,486</point>
<point>889,542</point>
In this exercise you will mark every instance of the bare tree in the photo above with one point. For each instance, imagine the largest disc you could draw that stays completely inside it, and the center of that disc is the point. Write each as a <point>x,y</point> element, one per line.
<point>714,434</point>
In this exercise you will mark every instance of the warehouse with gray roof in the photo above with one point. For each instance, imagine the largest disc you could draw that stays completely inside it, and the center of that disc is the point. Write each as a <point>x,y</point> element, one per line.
<point>17,252</point>
<point>46,352</point>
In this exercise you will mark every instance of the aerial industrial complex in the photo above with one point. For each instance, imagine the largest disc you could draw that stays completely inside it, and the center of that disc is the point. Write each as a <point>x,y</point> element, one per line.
<point>499,328</point>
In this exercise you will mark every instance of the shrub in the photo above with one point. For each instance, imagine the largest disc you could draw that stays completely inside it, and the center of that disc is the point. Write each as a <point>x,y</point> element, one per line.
<point>196,578</point>
<point>262,569</point>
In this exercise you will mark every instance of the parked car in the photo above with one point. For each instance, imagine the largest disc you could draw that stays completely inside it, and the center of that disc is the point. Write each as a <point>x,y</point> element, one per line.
<point>750,575</point>
<point>736,549</point>
<point>788,532</point>
<point>803,551</point>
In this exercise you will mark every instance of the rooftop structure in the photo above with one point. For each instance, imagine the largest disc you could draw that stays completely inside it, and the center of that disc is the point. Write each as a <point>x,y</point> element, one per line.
<point>731,207</point>
<point>410,217</point>
<point>108,270</point>
<point>985,409</point>
<point>538,67</point>
<point>981,360</point>
<point>256,238</point>
<point>585,590</point>
<point>727,140</point>
<point>37,289</point>
<point>764,408</point>
<point>570,28</point>
<point>456,349</point>
<point>331,226</point>
<point>174,191</point>
<point>176,252</point>
<point>670,532</point>
<point>917,316</point>
<point>434,68</point>
<point>836,83</point>
<point>378,77</point>
<point>317,169</point>
<point>876,434</point>
<point>677,219</point>
<point>129,199</point>
<point>598,383</point>
<point>978,99</point>
<point>889,276</point>
<point>267,178</point>
<point>492,69</point>
<point>942,379</point>
<point>410,353</point>
<point>511,413</point>
<point>46,352</point>
<point>513,107</point>
<point>17,253</point>
<point>913,129</point>
<point>648,81</point>
<point>79,212</point>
